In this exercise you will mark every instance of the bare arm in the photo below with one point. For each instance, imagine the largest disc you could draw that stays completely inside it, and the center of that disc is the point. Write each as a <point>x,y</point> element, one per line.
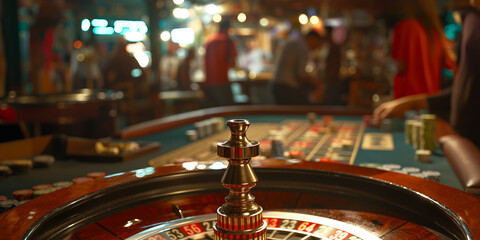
<point>398,107</point>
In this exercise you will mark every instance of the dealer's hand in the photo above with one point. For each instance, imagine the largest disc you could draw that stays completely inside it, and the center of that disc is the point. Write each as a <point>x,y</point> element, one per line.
<point>398,107</point>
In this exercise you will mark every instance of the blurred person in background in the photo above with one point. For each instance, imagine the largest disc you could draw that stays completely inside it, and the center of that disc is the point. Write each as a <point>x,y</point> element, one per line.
<point>184,72</point>
<point>41,46</point>
<point>292,84</point>
<point>461,101</point>
<point>168,68</point>
<point>220,55</point>
<point>419,47</point>
<point>333,88</point>
<point>123,72</point>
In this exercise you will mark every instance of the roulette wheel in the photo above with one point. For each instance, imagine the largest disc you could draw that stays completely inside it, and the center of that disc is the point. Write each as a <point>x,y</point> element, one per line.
<point>292,200</point>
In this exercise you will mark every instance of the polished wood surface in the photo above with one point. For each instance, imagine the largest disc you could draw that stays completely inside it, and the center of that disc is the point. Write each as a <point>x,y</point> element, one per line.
<point>166,123</point>
<point>84,114</point>
<point>16,222</point>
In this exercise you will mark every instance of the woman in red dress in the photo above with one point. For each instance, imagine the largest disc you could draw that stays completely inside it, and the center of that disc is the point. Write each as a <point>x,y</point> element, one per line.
<point>419,47</point>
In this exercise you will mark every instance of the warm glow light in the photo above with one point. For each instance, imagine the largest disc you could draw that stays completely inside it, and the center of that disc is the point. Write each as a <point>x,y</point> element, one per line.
<point>242,17</point>
<point>189,165</point>
<point>77,44</point>
<point>264,22</point>
<point>178,2</point>
<point>165,36</point>
<point>303,18</point>
<point>142,58</point>
<point>183,35</point>
<point>135,47</point>
<point>217,18</point>
<point>314,20</point>
<point>181,13</point>
<point>134,36</point>
<point>212,9</point>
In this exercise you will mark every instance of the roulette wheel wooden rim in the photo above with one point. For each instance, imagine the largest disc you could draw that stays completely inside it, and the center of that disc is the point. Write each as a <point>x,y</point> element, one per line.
<point>427,202</point>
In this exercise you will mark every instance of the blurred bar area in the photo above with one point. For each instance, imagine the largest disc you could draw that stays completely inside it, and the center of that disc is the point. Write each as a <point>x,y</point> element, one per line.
<point>90,68</point>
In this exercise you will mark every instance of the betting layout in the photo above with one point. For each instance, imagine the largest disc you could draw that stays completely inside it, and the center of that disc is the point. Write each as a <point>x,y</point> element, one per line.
<point>325,140</point>
<point>281,225</point>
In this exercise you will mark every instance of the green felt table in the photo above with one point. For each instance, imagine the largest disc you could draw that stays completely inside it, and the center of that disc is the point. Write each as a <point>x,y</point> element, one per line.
<point>403,154</point>
<point>172,138</point>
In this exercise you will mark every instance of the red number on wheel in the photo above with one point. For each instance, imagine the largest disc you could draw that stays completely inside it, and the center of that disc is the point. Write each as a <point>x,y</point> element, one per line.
<point>157,237</point>
<point>192,229</point>
<point>307,227</point>
<point>339,235</point>
<point>272,222</point>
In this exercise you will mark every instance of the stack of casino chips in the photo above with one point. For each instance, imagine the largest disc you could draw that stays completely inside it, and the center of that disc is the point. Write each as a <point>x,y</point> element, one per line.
<point>23,166</point>
<point>427,133</point>
<point>205,128</point>
<point>420,132</point>
<point>23,195</point>
<point>277,147</point>
<point>413,171</point>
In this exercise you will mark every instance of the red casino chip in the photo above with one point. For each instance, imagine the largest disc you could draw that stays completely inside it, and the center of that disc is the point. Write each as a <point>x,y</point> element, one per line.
<point>23,194</point>
<point>295,154</point>
<point>329,160</point>
<point>81,180</point>
<point>42,187</point>
<point>324,159</point>
<point>96,175</point>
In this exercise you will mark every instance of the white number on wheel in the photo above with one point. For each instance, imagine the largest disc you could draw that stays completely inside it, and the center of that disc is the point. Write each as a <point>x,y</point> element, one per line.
<point>288,224</point>
<point>174,234</point>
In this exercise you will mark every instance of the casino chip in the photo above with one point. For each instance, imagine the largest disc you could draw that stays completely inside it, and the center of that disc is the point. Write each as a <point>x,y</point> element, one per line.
<point>277,146</point>
<point>38,193</point>
<point>432,175</point>
<point>347,144</point>
<point>191,135</point>
<point>5,170</point>
<point>419,175</point>
<point>423,155</point>
<point>131,147</point>
<point>409,131</point>
<point>96,175</point>
<point>81,180</point>
<point>43,161</point>
<point>296,154</point>
<point>64,184</point>
<point>391,167</point>
<point>371,165</point>
<point>327,120</point>
<point>427,134</point>
<point>311,117</point>
<point>411,170</point>
<point>23,194</point>
<point>8,204</point>
<point>42,187</point>
<point>21,166</point>
<point>400,171</point>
